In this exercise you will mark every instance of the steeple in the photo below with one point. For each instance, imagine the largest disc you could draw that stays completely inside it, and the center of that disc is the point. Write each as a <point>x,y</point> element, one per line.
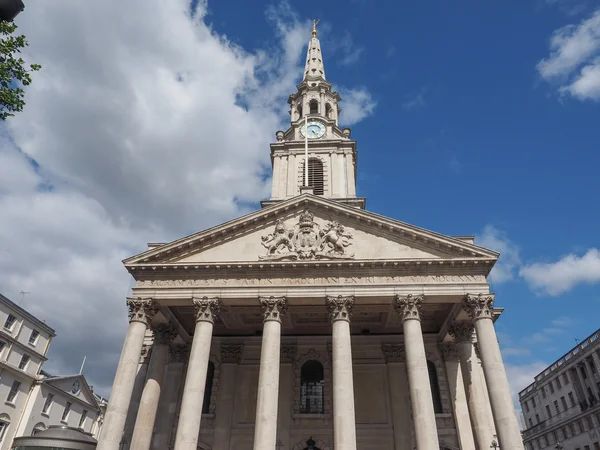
<point>314,68</point>
<point>314,111</point>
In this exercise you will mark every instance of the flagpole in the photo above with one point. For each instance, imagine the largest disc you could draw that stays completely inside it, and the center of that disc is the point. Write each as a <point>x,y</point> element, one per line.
<point>306,150</point>
<point>82,364</point>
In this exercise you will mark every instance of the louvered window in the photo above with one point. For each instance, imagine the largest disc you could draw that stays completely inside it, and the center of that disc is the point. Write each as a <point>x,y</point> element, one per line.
<point>315,176</point>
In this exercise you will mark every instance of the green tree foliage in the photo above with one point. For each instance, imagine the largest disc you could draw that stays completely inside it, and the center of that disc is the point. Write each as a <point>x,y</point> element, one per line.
<point>13,72</point>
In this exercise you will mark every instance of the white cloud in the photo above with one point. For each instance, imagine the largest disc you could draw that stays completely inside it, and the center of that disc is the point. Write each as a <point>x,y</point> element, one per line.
<point>561,276</point>
<point>574,60</point>
<point>357,104</point>
<point>134,131</point>
<point>509,260</point>
<point>515,351</point>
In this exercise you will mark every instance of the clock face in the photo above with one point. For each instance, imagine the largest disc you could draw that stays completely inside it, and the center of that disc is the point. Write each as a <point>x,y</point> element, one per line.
<point>75,388</point>
<point>313,130</point>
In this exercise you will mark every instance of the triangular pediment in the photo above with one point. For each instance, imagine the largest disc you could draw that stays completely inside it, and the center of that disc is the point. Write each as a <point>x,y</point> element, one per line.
<point>307,228</point>
<point>74,385</point>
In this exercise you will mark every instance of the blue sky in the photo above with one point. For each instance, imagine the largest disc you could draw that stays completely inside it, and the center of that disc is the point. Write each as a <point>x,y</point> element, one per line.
<point>478,119</point>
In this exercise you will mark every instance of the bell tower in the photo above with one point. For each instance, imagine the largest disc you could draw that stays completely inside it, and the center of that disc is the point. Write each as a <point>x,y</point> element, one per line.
<point>332,155</point>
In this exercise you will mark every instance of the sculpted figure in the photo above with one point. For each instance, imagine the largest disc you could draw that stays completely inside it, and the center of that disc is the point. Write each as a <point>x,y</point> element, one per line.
<point>335,239</point>
<point>279,240</point>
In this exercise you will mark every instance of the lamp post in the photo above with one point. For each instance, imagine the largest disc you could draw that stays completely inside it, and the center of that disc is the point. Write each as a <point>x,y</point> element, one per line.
<point>9,9</point>
<point>494,445</point>
<point>559,446</point>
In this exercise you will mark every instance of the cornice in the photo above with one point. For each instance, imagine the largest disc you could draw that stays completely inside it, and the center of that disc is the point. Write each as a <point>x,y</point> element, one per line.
<point>69,396</point>
<point>17,372</point>
<point>457,250</point>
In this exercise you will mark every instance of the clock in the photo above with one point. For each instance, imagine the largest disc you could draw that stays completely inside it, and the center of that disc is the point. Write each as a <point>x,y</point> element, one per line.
<point>312,130</point>
<point>75,388</point>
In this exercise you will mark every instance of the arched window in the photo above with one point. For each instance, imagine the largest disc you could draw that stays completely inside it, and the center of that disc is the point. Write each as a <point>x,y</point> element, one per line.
<point>314,107</point>
<point>299,109</point>
<point>37,428</point>
<point>328,110</point>
<point>210,374</point>
<point>435,388</point>
<point>311,388</point>
<point>315,175</point>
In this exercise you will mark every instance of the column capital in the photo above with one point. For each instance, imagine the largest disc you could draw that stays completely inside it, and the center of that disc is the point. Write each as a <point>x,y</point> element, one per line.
<point>409,307</point>
<point>340,307</point>
<point>479,306</point>
<point>461,331</point>
<point>207,309</point>
<point>145,354</point>
<point>231,353</point>
<point>393,352</point>
<point>274,308</point>
<point>142,310</point>
<point>179,353</point>
<point>164,333</point>
<point>450,352</point>
<point>288,353</point>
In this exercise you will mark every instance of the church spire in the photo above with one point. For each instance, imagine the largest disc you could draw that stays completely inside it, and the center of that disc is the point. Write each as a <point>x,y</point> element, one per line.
<point>314,68</point>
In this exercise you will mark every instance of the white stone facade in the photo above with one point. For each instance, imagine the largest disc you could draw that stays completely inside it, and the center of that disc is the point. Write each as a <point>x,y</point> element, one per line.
<point>312,323</point>
<point>562,405</point>
<point>22,410</point>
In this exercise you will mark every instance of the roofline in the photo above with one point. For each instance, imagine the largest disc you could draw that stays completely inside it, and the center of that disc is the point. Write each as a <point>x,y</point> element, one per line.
<point>579,347</point>
<point>28,315</point>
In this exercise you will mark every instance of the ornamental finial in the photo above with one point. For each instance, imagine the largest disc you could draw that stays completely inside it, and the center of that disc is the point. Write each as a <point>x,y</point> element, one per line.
<point>314,30</point>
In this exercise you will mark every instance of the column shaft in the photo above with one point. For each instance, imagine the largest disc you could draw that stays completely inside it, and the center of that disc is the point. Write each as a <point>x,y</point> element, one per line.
<point>399,396</point>
<point>595,389</point>
<point>286,394</point>
<point>190,414</point>
<point>140,312</point>
<point>479,308</point>
<point>144,423</point>
<point>418,375</point>
<point>344,422</point>
<point>230,358</point>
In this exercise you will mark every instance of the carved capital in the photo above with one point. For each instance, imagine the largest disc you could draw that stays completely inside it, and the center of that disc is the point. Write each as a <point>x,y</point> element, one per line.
<point>340,307</point>
<point>479,306</point>
<point>207,309</point>
<point>142,310</point>
<point>450,352</point>
<point>164,333</point>
<point>288,353</point>
<point>231,353</point>
<point>461,331</point>
<point>393,352</point>
<point>409,307</point>
<point>477,352</point>
<point>274,308</point>
<point>145,354</point>
<point>179,353</point>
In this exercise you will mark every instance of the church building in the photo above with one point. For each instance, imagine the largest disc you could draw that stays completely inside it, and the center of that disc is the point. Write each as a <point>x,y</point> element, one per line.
<point>312,324</point>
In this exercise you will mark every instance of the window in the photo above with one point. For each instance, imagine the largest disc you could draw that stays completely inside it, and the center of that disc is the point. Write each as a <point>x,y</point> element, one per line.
<point>10,321</point>
<point>33,337</point>
<point>548,411</point>
<point>590,422</point>
<point>2,345</point>
<point>47,404</point>
<point>14,390</point>
<point>586,447</point>
<point>544,392</point>
<point>580,425</point>
<point>38,427</point>
<point>314,107</point>
<point>328,111</point>
<point>556,406</point>
<point>312,381</point>
<point>3,427</point>
<point>596,446</point>
<point>526,407</point>
<point>537,418</point>
<point>558,385</point>
<point>435,388</point>
<point>530,423</point>
<point>533,402</point>
<point>555,436</point>
<point>315,176</point>
<point>572,429</point>
<point>571,399</point>
<point>66,412</point>
<point>551,387</point>
<point>566,378</point>
<point>82,419</point>
<point>24,361</point>
<point>564,403</point>
<point>210,375</point>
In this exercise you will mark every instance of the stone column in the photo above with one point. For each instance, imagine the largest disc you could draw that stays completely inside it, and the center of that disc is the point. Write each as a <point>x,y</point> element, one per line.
<point>190,413</point>
<point>459,397</point>
<point>344,423</point>
<point>169,397</point>
<point>580,377</point>
<point>140,314</point>
<point>265,427</point>
<point>144,422</point>
<point>479,308</point>
<point>399,396</point>
<point>476,395</point>
<point>409,309</point>
<point>136,396</point>
<point>230,360</point>
<point>286,394</point>
<point>590,373</point>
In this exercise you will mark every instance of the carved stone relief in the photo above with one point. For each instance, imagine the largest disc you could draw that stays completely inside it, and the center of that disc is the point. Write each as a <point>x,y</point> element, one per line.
<point>393,352</point>
<point>307,240</point>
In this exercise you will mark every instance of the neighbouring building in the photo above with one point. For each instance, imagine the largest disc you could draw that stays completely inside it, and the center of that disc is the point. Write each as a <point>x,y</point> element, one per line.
<point>562,405</point>
<point>30,399</point>
<point>312,323</point>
